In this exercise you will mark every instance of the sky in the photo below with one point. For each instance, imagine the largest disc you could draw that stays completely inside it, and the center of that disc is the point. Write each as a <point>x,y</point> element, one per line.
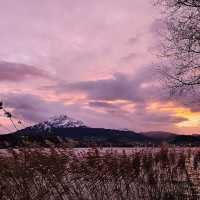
<point>95,61</point>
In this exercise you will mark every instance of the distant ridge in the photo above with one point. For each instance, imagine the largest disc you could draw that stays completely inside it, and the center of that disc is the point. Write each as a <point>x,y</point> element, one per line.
<point>66,129</point>
<point>160,135</point>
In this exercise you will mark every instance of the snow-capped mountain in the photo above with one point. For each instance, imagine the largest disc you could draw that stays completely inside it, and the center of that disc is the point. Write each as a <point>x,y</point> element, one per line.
<point>62,121</point>
<point>64,128</point>
<point>69,129</point>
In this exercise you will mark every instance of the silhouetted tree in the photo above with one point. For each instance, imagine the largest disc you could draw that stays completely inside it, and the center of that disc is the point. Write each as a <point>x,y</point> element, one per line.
<point>181,44</point>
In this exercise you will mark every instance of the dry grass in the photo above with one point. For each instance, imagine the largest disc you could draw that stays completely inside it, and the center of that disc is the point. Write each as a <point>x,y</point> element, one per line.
<point>59,174</point>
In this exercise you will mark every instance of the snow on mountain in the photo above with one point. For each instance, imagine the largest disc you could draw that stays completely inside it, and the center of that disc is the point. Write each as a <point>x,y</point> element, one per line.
<point>62,121</point>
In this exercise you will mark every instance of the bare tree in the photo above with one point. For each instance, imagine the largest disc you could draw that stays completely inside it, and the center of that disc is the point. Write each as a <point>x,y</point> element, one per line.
<point>181,44</point>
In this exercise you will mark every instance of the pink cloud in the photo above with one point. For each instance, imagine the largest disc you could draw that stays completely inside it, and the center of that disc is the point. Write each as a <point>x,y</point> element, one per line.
<point>19,72</point>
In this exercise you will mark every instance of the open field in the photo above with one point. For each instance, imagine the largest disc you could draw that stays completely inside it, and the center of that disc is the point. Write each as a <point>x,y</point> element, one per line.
<point>87,174</point>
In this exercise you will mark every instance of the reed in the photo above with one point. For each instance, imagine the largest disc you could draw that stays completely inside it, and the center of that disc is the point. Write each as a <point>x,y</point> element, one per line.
<point>61,174</point>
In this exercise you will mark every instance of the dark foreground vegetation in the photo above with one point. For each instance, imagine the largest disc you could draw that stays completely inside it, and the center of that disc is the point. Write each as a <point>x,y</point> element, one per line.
<point>62,174</point>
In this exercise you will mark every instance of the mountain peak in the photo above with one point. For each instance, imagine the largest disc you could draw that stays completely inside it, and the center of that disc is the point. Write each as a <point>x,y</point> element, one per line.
<point>62,121</point>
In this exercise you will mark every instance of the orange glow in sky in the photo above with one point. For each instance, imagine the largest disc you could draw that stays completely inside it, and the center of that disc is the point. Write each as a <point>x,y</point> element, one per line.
<point>192,118</point>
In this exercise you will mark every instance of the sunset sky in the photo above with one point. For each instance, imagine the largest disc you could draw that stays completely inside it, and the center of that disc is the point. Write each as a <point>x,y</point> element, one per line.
<point>92,60</point>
